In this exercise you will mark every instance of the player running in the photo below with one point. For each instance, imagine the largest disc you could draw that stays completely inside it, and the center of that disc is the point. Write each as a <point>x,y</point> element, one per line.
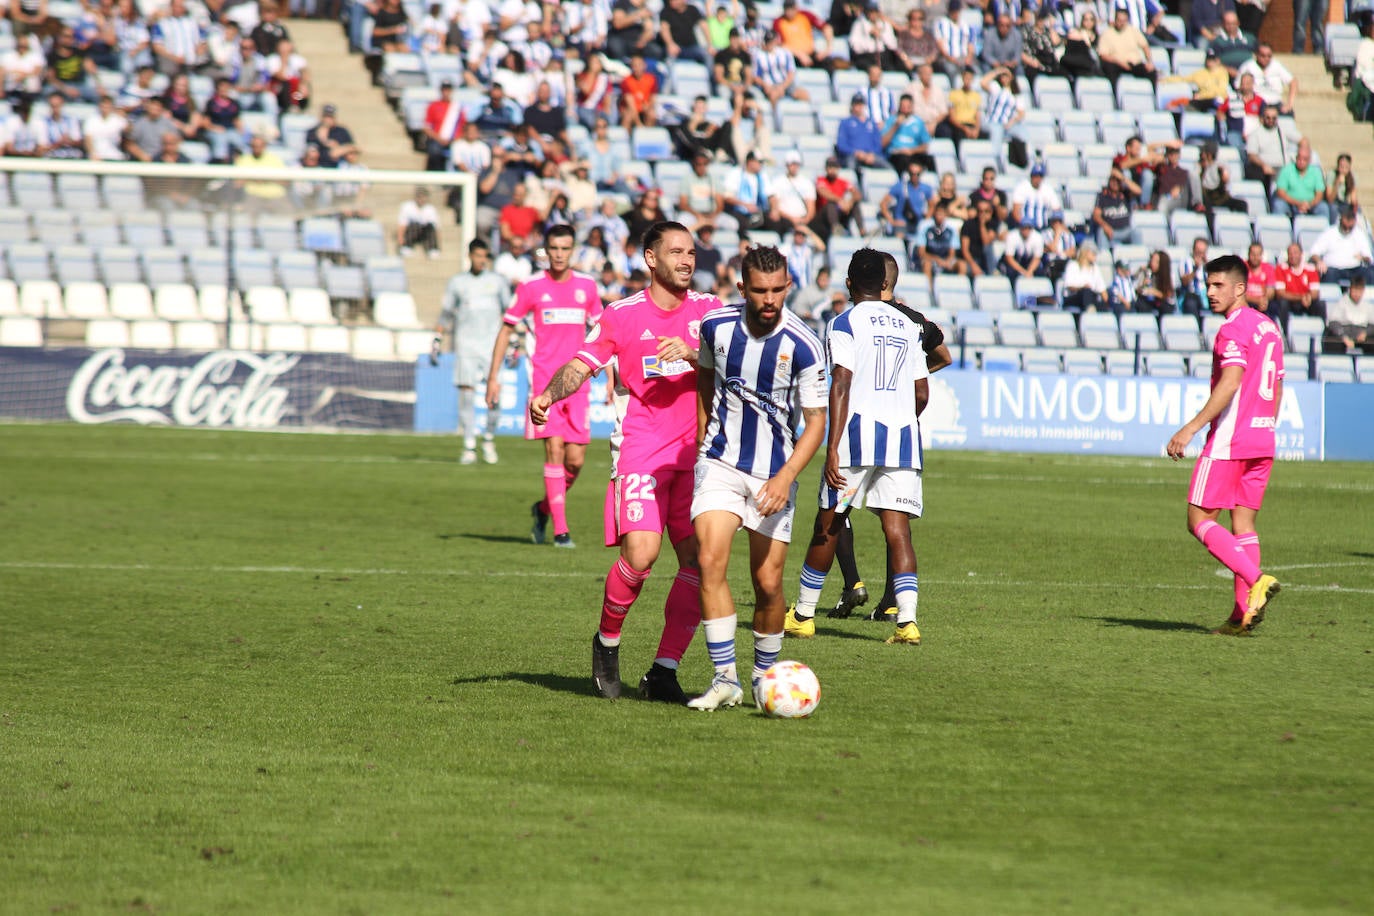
<point>653,337</point>
<point>878,389</point>
<point>559,304</point>
<point>1233,470</point>
<point>855,594</point>
<point>762,370</point>
<point>471,314</point>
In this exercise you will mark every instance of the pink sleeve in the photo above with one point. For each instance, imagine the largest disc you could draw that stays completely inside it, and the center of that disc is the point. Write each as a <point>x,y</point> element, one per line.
<point>519,307</point>
<point>599,347</point>
<point>1231,345</point>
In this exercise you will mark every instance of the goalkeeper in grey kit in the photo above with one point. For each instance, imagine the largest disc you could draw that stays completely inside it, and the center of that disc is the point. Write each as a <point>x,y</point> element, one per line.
<point>472,308</point>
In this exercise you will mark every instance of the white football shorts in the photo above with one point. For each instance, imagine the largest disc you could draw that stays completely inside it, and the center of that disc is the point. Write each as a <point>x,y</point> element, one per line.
<point>874,489</point>
<point>719,487</point>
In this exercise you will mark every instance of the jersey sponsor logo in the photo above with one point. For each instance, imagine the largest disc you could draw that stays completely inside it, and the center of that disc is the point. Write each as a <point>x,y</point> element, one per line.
<point>563,316</point>
<point>657,368</point>
<point>736,386</point>
<point>1261,422</point>
<point>1232,350</point>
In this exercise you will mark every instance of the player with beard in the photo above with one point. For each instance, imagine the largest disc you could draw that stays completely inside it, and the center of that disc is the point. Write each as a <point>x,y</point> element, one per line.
<point>653,337</point>
<point>761,373</point>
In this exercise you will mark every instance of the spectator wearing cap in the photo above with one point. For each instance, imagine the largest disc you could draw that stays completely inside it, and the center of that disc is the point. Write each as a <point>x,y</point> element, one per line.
<point>1112,212</point>
<point>1060,246</point>
<point>858,141</point>
<point>837,203</point>
<point>1300,187</point>
<point>1121,293</point>
<point>701,197</point>
<point>1211,84</point>
<point>1025,252</point>
<point>1034,198</point>
<point>331,138</point>
<point>794,201</point>
<point>905,137</point>
<point>1273,81</point>
<point>1122,48</point>
<point>775,72</point>
<point>682,29</point>
<point>957,44</point>
<point>1233,46</point>
<point>1344,251</point>
<point>797,29</point>
<point>907,203</point>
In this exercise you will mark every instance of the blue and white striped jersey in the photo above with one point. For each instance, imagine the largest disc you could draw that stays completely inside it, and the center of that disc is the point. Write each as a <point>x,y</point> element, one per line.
<point>772,68</point>
<point>882,348</point>
<point>762,385</point>
<point>881,103</point>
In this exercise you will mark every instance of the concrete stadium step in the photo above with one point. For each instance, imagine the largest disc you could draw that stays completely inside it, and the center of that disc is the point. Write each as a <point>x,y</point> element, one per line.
<point>341,78</point>
<point>1323,119</point>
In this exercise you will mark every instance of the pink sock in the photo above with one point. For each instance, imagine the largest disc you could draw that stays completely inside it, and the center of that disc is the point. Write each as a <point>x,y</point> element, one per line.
<point>623,584</point>
<point>1222,544</point>
<point>681,615</point>
<point>555,493</point>
<point>569,478</point>
<point>1249,545</point>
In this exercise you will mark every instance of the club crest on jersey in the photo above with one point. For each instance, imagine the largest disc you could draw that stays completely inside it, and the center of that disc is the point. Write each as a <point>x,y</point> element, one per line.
<point>657,368</point>
<point>694,329</point>
<point>580,296</point>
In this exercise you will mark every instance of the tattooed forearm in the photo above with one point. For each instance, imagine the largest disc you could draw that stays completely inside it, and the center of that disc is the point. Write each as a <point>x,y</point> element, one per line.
<point>566,380</point>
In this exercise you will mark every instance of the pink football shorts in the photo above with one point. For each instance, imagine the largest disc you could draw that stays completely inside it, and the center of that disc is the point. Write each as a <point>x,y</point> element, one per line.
<point>650,502</point>
<point>1225,483</point>
<point>567,421</point>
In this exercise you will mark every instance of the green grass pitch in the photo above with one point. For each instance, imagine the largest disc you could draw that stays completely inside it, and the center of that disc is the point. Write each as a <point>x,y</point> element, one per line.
<point>257,673</point>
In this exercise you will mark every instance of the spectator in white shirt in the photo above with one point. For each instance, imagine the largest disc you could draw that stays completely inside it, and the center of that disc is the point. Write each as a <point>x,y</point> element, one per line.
<point>104,132</point>
<point>417,224</point>
<point>1273,82</point>
<point>1351,321</point>
<point>23,69</point>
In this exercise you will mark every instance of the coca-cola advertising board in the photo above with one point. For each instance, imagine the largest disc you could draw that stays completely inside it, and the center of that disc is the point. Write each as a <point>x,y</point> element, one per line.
<point>224,389</point>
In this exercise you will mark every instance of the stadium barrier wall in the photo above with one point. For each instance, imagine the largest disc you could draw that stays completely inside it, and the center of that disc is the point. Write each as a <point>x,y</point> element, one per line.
<point>221,389</point>
<point>1004,411</point>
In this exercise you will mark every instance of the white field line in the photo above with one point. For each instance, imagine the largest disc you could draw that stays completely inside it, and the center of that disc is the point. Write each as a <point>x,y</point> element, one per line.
<point>971,579</point>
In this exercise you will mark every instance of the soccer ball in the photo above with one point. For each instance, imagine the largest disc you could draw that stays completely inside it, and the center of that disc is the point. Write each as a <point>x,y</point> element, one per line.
<point>789,690</point>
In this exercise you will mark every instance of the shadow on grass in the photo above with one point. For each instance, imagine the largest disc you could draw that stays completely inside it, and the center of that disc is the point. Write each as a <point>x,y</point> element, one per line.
<point>560,682</point>
<point>1147,623</point>
<point>878,631</point>
<point>1362,554</point>
<point>490,538</point>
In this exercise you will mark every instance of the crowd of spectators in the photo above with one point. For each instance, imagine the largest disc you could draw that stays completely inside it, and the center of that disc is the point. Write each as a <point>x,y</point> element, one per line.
<point>605,64</point>
<point>183,82</point>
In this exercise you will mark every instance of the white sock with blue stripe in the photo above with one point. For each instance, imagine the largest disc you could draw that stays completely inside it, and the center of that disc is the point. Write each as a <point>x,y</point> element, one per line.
<point>809,592</point>
<point>905,588</point>
<point>720,643</point>
<point>766,649</point>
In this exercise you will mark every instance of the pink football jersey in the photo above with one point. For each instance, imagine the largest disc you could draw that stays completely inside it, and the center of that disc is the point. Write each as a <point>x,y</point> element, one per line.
<point>660,424</point>
<point>1245,428</point>
<point>558,314</point>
